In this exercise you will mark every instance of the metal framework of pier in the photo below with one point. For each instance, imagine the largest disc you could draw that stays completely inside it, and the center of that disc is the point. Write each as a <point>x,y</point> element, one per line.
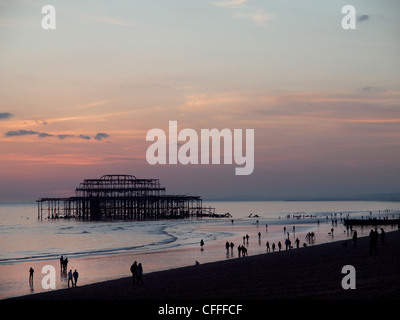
<point>122,197</point>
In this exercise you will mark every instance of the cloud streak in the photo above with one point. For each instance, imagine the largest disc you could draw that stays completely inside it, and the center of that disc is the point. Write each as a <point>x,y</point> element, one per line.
<point>5,115</point>
<point>230,4</point>
<point>100,136</point>
<point>363,17</point>
<point>260,17</point>
<point>20,133</point>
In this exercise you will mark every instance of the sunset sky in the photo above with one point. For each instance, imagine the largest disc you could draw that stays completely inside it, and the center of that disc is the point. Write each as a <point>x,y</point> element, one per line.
<point>77,102</point>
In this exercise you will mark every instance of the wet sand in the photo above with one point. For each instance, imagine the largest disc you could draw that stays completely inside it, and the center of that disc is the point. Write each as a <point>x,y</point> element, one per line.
<point>311,273</point>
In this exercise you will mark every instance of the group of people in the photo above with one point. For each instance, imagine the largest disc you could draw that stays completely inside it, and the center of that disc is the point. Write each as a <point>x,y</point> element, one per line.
<point>288,245</point>
<point>137,273</point>
<point>373,240</point>
<point>72,276</point>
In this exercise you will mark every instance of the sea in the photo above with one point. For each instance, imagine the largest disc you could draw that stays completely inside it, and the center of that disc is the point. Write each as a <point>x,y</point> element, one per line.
<point>104,250</point>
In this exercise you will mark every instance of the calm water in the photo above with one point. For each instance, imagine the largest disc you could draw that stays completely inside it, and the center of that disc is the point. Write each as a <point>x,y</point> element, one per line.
<point>100,249</point>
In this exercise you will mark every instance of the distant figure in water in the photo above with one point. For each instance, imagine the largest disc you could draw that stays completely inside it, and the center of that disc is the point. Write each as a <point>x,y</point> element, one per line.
<point>201,244</point>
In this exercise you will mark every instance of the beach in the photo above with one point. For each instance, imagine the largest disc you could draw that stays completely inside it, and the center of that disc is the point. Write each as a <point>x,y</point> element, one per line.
<point>310,273</point>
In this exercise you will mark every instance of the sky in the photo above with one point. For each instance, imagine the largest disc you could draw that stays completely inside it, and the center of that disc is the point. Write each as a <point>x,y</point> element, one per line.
<point>77,102</point>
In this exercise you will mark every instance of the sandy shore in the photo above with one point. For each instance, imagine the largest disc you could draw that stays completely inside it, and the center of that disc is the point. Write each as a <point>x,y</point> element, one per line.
<point>306,273</point>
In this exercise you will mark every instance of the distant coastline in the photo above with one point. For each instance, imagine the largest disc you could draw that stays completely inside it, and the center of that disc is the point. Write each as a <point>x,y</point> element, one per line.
<point>391,197</point>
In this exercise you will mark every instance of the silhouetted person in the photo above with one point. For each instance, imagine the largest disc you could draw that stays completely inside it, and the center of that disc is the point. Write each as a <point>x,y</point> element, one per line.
<point>75,275</point>
<point>247,238</point>
<point>268,249</point>
<point>383,236</point>
<point>134,268</point>
<point>273,246</point>
<point>227,246</point>
<point>65,264</point>
<point>244,251</point>
<point>354,239</point>
<point>287,243</point>
<point>70,278</point>
<point>139,274</point>
<point>31,271</point>
<point>201,244</point>
<point>232,245</point>
<point>373,241</point>
<point>297,242</point>
<point>279,246</point>
<point>61,262</point>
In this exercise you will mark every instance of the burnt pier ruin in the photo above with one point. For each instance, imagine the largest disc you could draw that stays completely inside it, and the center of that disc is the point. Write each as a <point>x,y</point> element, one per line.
<point>123,197</point>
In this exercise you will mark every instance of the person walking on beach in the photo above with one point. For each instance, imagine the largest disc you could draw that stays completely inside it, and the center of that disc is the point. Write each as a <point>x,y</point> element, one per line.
<point>239,250</point>
<point>139,274</point>
<point>70,278</point>
<point>61,262</point>
<point>354,239</point>
<point>273,246</point>
<point>383,236</point>
<point>201,244</point>
<point>232,245</point>
<point>279,246</point>
<point>134,268</point>
<point>247,238</point>
<point>65,264</point>
<point>227,245</point>
<point>75,275</point>
<point>268,249</point>
<point>31,271</point>
<point>297,243</point>
<point>373,241</point>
